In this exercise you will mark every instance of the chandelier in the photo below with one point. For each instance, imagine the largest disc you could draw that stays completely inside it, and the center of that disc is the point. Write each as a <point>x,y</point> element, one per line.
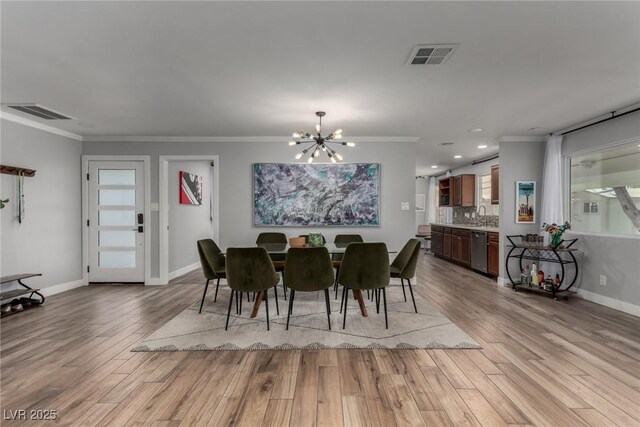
<point>317,143</point>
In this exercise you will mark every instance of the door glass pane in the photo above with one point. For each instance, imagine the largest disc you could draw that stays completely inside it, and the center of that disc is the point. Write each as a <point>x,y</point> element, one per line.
<point>120,259</point>
<point>117,218</point>
<point>117,238</point>
<point>117,177</point>
<point>117,197</point>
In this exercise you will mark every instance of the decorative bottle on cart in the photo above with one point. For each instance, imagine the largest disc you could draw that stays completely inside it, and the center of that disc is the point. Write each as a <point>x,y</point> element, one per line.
<point>534,275</point>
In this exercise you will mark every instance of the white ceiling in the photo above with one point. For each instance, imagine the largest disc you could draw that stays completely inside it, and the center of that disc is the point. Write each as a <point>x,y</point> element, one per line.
<point>263,68</point>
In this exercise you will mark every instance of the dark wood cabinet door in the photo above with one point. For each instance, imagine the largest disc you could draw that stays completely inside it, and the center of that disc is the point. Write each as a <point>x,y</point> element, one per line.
<point>493,252</point>
<point>455,248</point>
<point>457,190</point>
<point>495,184</point>
<point>436,243</point>
<point>465,250</point>
<point>446,246</point>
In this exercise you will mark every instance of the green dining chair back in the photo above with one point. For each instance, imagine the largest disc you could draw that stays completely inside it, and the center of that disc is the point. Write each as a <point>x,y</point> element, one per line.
<point>404,266</point>
<point>308,270</point>
<point>213,265</point>
<point>250,270</point>
<point>271,237</point>
<point>364,266</point>
<point>342,239</point>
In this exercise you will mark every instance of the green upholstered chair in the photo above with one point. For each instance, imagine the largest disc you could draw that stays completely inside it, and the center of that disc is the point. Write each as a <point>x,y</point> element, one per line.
<point>309,270</point>
<point>278,259</point>
<point>364,266</point>
<point>250,270</point>
<point>404,266</point>
<point>213,265</point>
<point>337,258</point>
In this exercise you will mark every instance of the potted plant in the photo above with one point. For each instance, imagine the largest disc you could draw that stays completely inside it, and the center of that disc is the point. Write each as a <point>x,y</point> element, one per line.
<point>556,231</point>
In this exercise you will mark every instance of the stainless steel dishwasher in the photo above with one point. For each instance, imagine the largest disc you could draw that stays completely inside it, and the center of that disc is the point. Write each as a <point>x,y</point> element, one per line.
<point>479,251</point>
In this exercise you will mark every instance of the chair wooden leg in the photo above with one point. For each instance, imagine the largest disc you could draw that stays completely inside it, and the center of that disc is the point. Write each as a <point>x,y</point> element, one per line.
<point>275,291</point>
<point>412,297</point>
<point>384,298</point>
<point>266,307</point>
<point>229,310</point>
<point>291,295</point>
<point>403,292</point>
<point>205,294</point>
<point>215,296</point>
<point>326,300</point>
<point>346,301</point>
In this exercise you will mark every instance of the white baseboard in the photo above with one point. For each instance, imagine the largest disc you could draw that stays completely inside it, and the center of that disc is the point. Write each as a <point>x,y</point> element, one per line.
<point>184,270</point>
<point>503,282</point>
<point>610,302</point>
<point>62,287</point>
<point>155,281</point>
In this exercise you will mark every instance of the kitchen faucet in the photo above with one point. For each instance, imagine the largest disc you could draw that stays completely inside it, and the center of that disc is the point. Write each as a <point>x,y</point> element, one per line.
<point>484,215</point>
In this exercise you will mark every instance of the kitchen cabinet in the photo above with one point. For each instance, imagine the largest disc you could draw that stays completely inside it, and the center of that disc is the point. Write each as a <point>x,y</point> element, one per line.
<point>493,254</point>
<point>446,245</point>
<point>464,190</point>
<point>455,244</point>
<point>445,192</point>
<point>461,246</point>
<point>437,236</point>
<point>495,184</point>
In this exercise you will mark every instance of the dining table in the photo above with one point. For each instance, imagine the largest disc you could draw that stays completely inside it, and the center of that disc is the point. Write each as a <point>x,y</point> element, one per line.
<point>282,248</point>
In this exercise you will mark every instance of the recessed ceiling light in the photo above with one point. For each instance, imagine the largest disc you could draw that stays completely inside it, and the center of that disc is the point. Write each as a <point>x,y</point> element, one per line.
<point>475,130</point>
<point>482,146</point>
<point>536,129</point>
<point>434,166</point>
<point>457,156</point>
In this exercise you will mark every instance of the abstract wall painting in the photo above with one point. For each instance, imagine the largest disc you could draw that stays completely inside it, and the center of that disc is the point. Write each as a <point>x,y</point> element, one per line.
<point>190,189</point>
<point>292,194</point>
<point>525,202</point>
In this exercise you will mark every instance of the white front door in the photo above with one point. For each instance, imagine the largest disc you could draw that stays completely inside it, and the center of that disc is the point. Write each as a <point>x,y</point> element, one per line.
<point>116,221</point>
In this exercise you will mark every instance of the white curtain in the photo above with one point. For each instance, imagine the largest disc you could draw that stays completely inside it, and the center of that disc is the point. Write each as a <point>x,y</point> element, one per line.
<point>431,201</point>
<point>551,209</point>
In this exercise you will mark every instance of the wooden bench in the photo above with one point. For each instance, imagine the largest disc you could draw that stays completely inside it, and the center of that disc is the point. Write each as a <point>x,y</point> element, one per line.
<point>17,292</point>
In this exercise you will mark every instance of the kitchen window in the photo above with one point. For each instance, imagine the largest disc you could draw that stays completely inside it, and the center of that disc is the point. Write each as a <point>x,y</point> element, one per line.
<point>605,191</point>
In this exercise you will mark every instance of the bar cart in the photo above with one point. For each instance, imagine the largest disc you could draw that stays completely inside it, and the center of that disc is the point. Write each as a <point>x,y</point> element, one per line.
<point>563,255</point>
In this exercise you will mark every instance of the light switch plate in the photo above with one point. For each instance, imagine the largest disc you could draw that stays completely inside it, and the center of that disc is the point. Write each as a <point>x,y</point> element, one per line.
<point>404,206</point>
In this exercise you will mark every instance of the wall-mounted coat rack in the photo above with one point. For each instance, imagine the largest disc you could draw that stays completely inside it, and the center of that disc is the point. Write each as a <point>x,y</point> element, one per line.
<point>14,170</point>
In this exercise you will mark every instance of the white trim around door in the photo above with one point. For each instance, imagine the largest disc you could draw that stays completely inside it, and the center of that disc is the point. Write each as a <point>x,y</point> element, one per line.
<point>163,164</point>
<point>147,209</point>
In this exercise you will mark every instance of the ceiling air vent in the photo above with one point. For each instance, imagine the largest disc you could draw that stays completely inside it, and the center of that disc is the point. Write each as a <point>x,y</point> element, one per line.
<point>38,111</point>
<point>431,54</point>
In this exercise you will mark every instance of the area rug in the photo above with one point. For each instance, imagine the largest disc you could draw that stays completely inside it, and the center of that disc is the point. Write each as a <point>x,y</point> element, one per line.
<point>308,327</point>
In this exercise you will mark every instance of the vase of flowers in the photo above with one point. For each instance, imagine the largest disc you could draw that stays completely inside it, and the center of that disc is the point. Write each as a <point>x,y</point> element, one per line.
<point>556,231</point>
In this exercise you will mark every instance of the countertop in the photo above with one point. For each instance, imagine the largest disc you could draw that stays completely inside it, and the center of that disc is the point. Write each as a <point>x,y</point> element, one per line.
<point>469,227</point>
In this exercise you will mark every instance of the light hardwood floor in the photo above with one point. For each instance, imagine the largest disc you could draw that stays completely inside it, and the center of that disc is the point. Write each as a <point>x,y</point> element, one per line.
<point>543,363</point>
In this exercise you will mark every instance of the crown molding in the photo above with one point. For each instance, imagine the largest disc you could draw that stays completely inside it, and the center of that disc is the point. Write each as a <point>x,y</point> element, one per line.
<point>220,139</point>
<point>37,125</point>
<point>531,138</point>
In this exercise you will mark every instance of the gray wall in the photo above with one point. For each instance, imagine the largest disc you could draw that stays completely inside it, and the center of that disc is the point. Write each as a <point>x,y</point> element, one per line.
<point>49,240</point>
<point>519,161</point>
<point>236,158</point>
<point>615,257</point>
<point>188,223</point>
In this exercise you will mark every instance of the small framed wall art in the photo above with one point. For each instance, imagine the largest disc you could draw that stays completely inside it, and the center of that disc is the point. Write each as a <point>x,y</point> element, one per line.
<point>190,189</point>
<point>525,202</point>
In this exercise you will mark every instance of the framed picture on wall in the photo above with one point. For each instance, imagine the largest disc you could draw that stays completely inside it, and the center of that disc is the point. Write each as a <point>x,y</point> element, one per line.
<point>525,202</point>
<point>190,189</point>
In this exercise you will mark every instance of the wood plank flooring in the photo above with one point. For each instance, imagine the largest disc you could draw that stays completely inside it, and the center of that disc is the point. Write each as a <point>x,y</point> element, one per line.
<point>544,363</point>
